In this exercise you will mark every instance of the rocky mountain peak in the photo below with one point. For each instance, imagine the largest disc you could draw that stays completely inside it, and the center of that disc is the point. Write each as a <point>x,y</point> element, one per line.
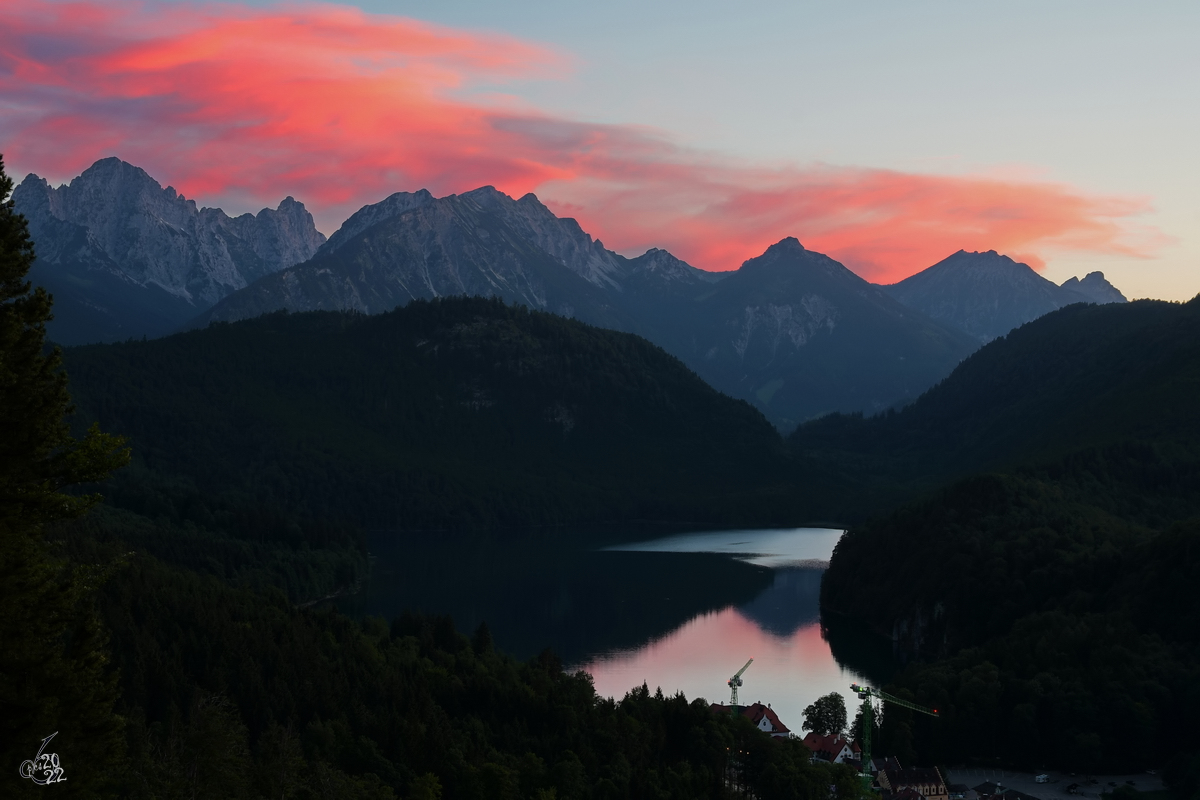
<point>391,206</point>
<point>987,294</point>
<point>663,267</point>
<point>988,262</point>
<point>560,237</point>
<point>489,197</point>
<point>1094,289</point>
<point>531,199</point>
<point>115,217</point>
<point>788,259</point>
<point>788,246</point>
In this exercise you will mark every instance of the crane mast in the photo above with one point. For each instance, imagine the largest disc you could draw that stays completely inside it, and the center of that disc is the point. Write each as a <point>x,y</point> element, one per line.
<point>866,694</point>
<point>734,683</point>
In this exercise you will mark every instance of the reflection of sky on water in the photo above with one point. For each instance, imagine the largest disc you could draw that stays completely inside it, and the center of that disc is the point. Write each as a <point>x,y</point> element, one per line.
<point>779,628</point>
<point>683,612</point>
<point>768,547</point>
<point>789,672</point>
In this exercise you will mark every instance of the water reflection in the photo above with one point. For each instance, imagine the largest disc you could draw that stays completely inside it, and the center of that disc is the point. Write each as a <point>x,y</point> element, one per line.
<point>575,600</point>
<point>780,629</point>
<point>790,604</point>
<point>654,612</point>
<point>766,547</point>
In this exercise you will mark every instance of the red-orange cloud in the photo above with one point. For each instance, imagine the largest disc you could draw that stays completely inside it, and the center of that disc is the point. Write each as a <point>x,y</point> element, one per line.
<point>340,108</point>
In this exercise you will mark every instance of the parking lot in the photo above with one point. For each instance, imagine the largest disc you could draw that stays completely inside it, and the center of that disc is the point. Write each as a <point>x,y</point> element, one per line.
<point>1059,781</point>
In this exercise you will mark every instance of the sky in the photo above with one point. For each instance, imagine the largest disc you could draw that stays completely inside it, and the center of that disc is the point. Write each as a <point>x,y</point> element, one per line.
<point>888,134</point>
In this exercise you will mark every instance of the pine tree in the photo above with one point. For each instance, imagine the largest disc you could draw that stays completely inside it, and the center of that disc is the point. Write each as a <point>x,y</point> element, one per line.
<point>53,674</point>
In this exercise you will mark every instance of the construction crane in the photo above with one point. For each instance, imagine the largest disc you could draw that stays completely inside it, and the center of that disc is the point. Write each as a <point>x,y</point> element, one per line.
<point>735,682</point>
<point>866,694</point>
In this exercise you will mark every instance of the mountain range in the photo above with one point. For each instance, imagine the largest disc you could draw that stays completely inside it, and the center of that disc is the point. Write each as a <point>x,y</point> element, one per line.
<point>125,257</point>
<point>792,331</point>
<point>987,294</point>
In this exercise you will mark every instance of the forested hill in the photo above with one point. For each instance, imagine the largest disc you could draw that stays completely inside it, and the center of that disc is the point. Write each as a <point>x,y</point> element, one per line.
<point>1051,603</point>
<point>259,446</point>
<point>1083,375</point>
<point>445,414</point>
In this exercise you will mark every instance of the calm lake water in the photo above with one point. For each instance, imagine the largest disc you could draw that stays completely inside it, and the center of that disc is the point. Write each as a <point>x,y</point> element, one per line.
<point>682,612</point>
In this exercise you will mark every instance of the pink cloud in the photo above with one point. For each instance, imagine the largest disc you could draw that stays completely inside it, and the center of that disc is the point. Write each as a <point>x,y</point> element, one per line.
<point>340,108</point>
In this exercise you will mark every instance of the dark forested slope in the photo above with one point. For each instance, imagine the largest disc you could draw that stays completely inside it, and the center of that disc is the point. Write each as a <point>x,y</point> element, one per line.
<point>1050,604</point>
<point>1083,375</point>
<point>454,413</point>
<point>259,446</point>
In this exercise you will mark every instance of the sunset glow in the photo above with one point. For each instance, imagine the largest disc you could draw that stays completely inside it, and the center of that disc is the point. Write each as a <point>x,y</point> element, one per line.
<point>340,108</point>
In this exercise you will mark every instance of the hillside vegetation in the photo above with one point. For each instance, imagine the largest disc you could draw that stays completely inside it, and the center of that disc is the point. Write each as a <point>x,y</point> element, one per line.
<point>1082,376</point>
<point>262,448</point>
<point>1050,603</point>
<point>233,692</point>
<point>460,413</point>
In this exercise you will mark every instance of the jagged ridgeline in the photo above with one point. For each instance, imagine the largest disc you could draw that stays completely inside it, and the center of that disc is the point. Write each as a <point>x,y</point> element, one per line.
<point>451,413</point>
<point>126,258</point>
<point>1051,604</point>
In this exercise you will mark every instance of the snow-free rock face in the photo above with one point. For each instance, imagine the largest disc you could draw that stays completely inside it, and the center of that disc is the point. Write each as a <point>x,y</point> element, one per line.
<point>391,206</point>
<point>988,294</point>
<point>117,226</point>
<point>794,332</point>
<point>659,266</point>
<point>1094,289</point>
<point>414,246</point>
<point>800,335</point>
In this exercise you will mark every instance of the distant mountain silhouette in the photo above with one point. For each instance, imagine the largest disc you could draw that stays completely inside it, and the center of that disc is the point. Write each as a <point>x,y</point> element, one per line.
<point>800,335</point>
<point>793,332</point>
<point>125,257</point>
<point>988,294</point>
<point>414,246</point>
<point>1094,289</point>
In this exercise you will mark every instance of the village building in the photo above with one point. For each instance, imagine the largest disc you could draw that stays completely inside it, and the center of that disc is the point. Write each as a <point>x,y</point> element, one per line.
<point>835,748</point>
<point>763,717</point>
<point>879,764</point>
<point>925,781</point>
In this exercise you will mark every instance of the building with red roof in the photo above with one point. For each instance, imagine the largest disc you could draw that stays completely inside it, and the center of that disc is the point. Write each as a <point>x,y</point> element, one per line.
<point>835,748</point>
<point>762,716</point>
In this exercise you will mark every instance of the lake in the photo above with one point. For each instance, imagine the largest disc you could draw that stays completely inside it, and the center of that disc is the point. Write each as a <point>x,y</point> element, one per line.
<point>682,611</point>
